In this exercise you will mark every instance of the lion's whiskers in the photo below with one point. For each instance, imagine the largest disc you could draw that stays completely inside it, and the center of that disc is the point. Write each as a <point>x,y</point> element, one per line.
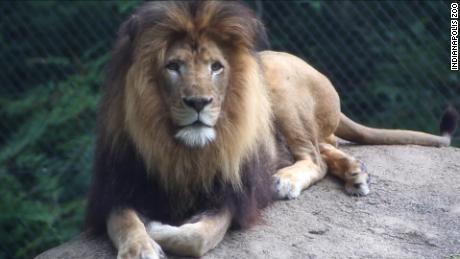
<point>186,116</point>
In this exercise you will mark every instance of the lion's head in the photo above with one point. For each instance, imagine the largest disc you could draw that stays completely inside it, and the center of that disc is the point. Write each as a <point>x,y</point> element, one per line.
<point>194,83</point>
<point>184,86</point>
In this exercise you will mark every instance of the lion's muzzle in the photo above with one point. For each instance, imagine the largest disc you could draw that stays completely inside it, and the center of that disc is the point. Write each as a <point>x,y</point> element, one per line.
<point>196,118</point>
<point>196,135</point>
<point>196,102</point>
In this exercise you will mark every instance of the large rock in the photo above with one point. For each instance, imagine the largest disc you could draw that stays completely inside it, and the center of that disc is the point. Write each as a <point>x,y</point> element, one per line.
<point>413,211</point>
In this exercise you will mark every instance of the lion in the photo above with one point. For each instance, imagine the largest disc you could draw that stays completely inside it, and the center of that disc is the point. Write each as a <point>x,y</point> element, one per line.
<point>198,130</point>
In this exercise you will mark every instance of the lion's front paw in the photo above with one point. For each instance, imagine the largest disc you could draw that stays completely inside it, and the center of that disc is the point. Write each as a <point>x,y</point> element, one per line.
<point>140,248</point>
<point>286,185</point>
<point>158,230</point>
<point>357,183</point>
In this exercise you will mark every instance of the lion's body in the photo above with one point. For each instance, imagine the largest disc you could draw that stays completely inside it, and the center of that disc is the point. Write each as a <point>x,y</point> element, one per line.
<point>302,91</point>
<point>200,131</point>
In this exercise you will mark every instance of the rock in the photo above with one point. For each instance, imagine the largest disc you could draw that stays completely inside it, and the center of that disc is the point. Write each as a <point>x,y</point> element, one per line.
<point>412,212</point>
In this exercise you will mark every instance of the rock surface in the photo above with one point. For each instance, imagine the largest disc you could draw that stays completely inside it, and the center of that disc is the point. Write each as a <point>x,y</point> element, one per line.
<point>413,211</point>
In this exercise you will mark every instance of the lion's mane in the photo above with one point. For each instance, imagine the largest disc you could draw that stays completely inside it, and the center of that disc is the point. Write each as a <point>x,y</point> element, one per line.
<point>138,162</point>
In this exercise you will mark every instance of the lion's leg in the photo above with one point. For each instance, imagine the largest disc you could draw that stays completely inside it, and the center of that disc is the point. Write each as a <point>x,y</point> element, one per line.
<point>291,180</point>
<point>130,237</point>
<point>300,133</point>
<point>192,239</point>
<point>332,139</point>
<point>347,168</point>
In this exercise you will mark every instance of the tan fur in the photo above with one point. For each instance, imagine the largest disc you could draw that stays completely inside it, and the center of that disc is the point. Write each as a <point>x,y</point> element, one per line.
<point>145,108</point>
<point>253,94</point>
<point>129,236</point>
<point>353,131</point>
<point>245,120</point>
<point>310,99</point>
<point>303,95</point>
<point>346,168</point>
<point>245,108</point>
<point>307,111</point>
<point>191,239</point>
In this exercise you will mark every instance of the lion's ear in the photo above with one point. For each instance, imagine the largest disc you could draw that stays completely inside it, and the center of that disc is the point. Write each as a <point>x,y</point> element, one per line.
<point>128,30</point>
<point>262,42</point>
<point>122,53</point>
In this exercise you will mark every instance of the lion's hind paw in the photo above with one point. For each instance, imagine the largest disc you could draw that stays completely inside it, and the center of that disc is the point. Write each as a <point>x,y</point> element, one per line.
<point>357,183</point>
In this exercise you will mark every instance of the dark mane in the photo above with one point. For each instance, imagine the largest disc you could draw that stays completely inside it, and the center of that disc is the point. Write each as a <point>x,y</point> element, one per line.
<point>120,177</point>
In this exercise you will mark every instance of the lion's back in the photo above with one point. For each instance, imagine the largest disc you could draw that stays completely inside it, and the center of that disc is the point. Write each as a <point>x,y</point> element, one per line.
<point>296,85</point>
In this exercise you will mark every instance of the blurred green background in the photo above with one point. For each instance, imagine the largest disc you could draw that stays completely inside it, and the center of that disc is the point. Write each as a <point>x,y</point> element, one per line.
<point>390,62</point>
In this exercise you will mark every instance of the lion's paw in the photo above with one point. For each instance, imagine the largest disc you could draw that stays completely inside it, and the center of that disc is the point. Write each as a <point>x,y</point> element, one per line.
<point>357,189</point>
<point>159,231</point>
<point>286,186</point>
<point>357,183</point>
<point>140,248</point>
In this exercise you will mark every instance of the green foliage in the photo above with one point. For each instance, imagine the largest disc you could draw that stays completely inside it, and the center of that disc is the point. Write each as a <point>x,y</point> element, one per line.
<point>46,163</point>
<point>47,114</point>
<point>388,60</point>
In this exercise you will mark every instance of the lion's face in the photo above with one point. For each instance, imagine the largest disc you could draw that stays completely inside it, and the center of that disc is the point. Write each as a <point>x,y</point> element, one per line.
<point>194,81</point>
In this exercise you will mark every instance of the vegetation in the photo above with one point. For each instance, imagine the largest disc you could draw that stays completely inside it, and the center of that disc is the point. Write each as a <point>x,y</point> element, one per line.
<point>52,66</point>
<point>389,61</point>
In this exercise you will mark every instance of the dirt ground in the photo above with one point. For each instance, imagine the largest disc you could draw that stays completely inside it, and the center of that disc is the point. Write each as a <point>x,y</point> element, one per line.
<point>413,211</point>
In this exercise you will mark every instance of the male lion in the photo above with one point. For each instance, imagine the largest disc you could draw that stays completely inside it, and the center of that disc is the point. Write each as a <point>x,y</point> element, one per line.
<point>197,130</point>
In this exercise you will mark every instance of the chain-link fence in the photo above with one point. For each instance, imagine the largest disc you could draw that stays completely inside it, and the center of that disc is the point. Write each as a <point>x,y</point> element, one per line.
<point>388,60</point>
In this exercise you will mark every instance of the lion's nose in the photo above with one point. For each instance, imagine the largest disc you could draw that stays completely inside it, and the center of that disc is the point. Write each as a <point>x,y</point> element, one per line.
<point>197,102</point>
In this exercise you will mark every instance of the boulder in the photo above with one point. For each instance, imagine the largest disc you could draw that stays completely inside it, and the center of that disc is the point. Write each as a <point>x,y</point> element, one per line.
<point>413,211</point>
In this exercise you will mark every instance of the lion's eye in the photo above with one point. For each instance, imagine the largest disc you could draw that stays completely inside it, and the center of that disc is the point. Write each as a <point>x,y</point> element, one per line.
<point>216,67</point>
<point>173,66</point>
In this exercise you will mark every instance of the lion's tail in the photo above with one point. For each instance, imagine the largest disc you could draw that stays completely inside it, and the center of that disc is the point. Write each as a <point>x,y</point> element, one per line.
<point>352,131</point>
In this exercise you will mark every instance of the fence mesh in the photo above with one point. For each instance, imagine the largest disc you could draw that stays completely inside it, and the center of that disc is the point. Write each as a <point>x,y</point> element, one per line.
<point>388,60</point>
